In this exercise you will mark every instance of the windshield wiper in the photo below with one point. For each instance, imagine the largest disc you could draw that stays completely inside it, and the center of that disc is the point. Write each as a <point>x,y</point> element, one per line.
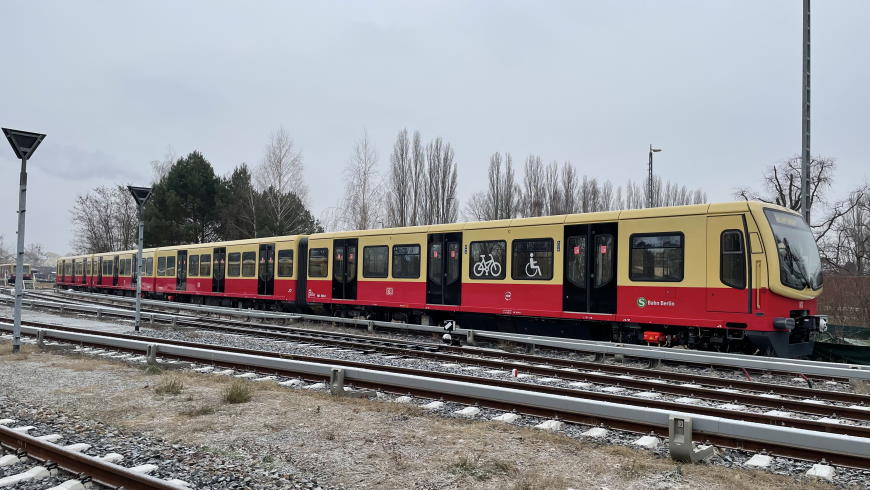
<point>797,264</point>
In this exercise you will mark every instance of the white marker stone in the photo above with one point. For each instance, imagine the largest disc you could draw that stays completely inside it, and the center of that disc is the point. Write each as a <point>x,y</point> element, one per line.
<point>595,432</point>
<point>506,417</point>
<point>758,461</point>
<point>433,405</point>
<point>316,386</point>
<point>649,394</point>
<point>112,458</point>
<point>468,412</point>
<point>823,471</point>
<point>777,413</point>
<point>403,399</point>
<point>550,425</point>
<point>144,468</point>
<point>49,437</point>
<point>648,442</point>
<point>77,447</point>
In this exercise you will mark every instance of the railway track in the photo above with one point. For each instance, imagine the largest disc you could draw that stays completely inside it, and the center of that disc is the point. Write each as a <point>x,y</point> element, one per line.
<point>265,363</point>
<point>769,395</point>
<point>33,458</point>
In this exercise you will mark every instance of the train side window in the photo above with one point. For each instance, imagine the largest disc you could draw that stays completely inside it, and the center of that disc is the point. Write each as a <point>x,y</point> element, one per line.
<point>149,266</point>
<point>161,266</point>
<point>656,257</point>
<point>376,261</point>
<point>234,264</point>
<point>532,259</point>
<point>318,263</point>
<point>249,264</point>
<point>732,259</point>
<point>406,261</point>
<point>193,266</point>
<point>204,265</point>
<point>285,263</point>
<point>170,266</point>
<point>488,260</point>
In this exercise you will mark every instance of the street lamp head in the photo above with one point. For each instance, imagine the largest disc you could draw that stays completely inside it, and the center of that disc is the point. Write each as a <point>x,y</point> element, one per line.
<point>655,150</point>
<point>23,143</point>
<point>140,194</point>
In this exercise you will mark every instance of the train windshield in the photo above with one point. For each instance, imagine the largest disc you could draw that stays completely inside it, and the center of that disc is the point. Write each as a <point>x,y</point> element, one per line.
<point>799,263</point>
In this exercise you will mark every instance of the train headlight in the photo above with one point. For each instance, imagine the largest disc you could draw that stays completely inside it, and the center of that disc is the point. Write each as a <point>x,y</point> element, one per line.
<point>823,324</point>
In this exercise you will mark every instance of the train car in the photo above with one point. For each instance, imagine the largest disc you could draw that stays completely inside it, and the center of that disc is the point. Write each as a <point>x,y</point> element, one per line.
<point>7,273</point>
<point>733,276</point>
<point>737,276</point>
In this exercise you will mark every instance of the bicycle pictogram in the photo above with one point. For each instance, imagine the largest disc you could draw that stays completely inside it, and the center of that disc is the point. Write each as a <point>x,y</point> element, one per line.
<point>487,267</point>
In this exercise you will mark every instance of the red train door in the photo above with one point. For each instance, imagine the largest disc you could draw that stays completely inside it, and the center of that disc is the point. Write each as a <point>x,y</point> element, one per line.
<point>266,272</point>
<point>344,265</point>
<point>219,267</point>
<point>727,277</point>
<point>181,271</point>
<point>589,280</point>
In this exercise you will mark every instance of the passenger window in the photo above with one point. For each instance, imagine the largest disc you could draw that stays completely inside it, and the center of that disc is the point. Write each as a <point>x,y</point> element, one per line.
<point>318,264</point>
<point>170,266</point>
<point>249,264</point>
<point>149,266</point>
<point>487,260</point>
<point>161,266</point>
<point>532,259</point>
<point>376,261</point>
<point>603,260</point>
<point>732,260</point>
<point>204,265</point>
<point>193,266</point>
<point>234,264</point>
<point>406,261</point>
<point>285,263</point>
<point>656,257</point>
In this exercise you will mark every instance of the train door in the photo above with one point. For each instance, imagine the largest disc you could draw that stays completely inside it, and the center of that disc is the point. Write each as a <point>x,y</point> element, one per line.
<point>727,273</point>
<point>115,269</point>
<point>444,269</point>
<point>219,267</point>
<point>266,275</point>
<point>589,283</point>
<point>85,264</point>
<point>344,260</point>
<point>181,271</point>
<point>301,272</point>
<point>100,272</point>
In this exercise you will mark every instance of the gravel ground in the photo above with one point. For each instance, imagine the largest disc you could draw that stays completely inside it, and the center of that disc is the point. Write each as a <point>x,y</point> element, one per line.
<point>303,348</point>
<point>287,438</point>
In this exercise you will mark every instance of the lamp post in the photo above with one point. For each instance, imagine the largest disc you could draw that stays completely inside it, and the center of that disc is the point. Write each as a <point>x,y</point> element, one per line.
<point>23,143</point>
<point>649,196</point>
<point>141,195</point>
<point>805,118</point>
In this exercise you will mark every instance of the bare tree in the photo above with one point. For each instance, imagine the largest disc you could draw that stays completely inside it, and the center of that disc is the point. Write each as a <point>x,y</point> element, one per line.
<point>363,194</point>
<point>635,197</point>
<point>401,184</point>
<point>534,198</point>
<point>160,168</point>
<point>35,255</point>
<point>105,220</point>
<point>846,248</point>
<point>418,180</point>
<point>554,202</point>
<point>6,255</point>
<point>570,184</point>
<point>502,197</point>
<point>280,180</point>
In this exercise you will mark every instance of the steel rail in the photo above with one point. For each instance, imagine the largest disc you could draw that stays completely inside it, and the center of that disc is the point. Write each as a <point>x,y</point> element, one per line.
<point>819,368</point>
<point>811,444</point>
<point>375,343</point>
<point>102,472</point>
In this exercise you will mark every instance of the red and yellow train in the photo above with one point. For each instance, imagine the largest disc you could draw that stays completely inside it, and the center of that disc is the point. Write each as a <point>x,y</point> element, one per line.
<point>7,273</point>
<point>731,276</point>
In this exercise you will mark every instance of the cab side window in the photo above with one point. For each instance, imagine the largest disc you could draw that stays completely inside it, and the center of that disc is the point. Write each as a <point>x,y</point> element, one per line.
<point>732,259</point>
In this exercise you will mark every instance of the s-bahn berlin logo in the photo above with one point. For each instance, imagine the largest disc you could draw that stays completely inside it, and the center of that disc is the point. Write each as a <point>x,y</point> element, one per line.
<point>641,302</point>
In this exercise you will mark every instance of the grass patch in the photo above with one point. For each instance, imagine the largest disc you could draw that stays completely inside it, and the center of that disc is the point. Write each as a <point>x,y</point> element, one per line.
<point>151,370</point>
<point>170,385</point>
<point>198,411</point>
<point>479,469</point>
<point>239,391</point>
<point>535,481</point>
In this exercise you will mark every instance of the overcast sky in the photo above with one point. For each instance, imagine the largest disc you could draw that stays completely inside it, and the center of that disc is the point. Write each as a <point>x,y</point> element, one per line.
<point>716,84</point>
